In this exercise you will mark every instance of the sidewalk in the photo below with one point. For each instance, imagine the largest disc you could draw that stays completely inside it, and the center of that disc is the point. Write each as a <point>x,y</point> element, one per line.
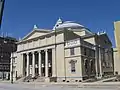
<point>4,81</point>
<point>95,84</point>
<point>63,84</point>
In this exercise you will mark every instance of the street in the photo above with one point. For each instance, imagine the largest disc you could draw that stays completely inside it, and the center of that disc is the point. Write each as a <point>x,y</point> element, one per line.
<point>8,86</point>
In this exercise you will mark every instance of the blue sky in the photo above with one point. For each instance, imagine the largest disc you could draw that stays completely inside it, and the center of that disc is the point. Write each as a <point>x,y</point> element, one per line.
<point>20,15</point>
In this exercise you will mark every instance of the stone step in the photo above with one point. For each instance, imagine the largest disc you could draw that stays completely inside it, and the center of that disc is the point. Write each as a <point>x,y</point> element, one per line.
<point>107,79</point>
<point>20,79</point>
<point>40,79</point>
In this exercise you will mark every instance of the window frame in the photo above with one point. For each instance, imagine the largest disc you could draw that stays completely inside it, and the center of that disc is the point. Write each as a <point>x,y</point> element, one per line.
<point>73,66</point>
<point>72,51</point>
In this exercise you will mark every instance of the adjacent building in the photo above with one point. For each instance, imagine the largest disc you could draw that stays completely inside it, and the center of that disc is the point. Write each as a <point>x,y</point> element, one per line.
<point>68,53</point>
<point>7,46</point>
<point>117,49</point>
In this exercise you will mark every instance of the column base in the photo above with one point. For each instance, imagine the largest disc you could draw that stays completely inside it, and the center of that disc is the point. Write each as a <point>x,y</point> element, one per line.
<point>53,79</point>
<point>99,76</point>
<point>54,76</point>
<point>47,79</point>
<point>33,75</point>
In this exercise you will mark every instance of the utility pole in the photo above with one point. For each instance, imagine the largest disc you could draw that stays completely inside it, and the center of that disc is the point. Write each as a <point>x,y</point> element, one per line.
<point>2,2</point>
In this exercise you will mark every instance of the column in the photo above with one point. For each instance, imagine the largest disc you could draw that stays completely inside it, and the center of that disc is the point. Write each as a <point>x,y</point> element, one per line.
<point>96,60</point>
<point>33,64</point>
<point>46,63</point>
<point>100,65</point>
<point>28,68</point>
<point>39,63</point>
<point>53,63</point>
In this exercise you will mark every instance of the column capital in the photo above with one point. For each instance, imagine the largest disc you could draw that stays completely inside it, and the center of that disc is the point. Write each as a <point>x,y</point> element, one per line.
<point>46,50</point>
<point>39,51</point>
<point>42,50</point>
<point>53,48</point>
<point>33,52</point>
<point>27,53</point>
<point>21,53</point>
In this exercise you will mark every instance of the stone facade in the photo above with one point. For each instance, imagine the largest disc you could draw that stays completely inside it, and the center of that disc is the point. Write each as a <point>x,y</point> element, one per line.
<point>64,55</point>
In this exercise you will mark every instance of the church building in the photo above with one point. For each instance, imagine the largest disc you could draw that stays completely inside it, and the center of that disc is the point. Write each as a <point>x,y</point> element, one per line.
<point>69,52</point>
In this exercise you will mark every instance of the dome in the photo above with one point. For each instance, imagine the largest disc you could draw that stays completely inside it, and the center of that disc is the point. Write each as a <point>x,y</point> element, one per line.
<point>69,24</point>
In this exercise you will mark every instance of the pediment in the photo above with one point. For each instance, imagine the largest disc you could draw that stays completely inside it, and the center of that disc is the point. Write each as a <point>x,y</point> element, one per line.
<point>34,34</point>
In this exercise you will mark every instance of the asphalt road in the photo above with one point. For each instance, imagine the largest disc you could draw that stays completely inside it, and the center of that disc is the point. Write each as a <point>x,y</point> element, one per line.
<point>7,86</point>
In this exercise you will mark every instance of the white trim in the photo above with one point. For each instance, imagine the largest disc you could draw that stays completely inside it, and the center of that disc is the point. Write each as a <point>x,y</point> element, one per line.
<point>36,30</point>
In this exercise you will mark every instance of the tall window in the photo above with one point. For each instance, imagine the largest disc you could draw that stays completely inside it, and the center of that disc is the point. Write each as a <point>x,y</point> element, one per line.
<point>72,51</point>
<point>73,67</point>
<point>86,65</point>
<point>92,65</point>
<point>85,51</point>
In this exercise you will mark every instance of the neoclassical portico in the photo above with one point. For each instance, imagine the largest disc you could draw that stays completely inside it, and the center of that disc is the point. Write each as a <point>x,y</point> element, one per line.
<point>38,63</point>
